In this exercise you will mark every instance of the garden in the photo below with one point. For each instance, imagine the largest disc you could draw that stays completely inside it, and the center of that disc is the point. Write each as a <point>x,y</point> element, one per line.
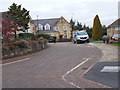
<point>25,43</point>
<point>12,42</point>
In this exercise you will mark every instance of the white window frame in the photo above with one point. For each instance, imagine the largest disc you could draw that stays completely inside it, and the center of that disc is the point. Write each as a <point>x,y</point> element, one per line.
<point>117,28</point>
<point>47,26</point>
<point>57,28</point>
<point>65,27</point>
<point>40,26</point>
<point>65,36</point>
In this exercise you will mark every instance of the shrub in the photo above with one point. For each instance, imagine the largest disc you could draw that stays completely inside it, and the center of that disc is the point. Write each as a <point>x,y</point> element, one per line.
<point>46,36</point>
<point>8,46</point>
<point>32,42</point>
<point>42,39</point>
<point>22,44</point>
<point>119,41</point>
<point>29,36</point>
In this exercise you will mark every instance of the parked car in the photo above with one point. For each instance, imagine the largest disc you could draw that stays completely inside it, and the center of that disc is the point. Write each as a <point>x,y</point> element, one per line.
<point>105,38</point>
<point>51,39</point>
<point>116,37</point>
<point>80,36</point>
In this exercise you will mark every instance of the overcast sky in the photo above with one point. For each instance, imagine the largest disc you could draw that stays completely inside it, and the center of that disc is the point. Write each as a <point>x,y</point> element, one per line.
<point>83,11</point>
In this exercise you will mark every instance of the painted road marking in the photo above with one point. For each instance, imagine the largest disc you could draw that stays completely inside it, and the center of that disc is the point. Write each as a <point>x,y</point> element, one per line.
<point>111,69</point>
<point>15,61</point>
<point>68,72</point>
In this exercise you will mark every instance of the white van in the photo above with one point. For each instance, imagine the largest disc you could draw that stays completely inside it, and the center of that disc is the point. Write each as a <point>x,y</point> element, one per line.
<point>80,36</point>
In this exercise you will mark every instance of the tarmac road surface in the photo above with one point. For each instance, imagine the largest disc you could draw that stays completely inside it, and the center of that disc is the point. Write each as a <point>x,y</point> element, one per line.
<point>59,66</point>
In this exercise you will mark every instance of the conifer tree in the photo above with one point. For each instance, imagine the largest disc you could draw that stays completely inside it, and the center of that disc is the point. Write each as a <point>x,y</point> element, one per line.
<point>97,29</point>
<point>20,16</point>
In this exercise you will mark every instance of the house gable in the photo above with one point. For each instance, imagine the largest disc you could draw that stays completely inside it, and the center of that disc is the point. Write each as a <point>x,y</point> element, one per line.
<point>115,23</point>
<point>63,27</point>
<point>114,28</point>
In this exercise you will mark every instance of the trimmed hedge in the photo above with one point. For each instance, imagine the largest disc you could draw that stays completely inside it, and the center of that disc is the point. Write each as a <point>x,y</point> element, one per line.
<point>46,36</point>
<point>30,36</point>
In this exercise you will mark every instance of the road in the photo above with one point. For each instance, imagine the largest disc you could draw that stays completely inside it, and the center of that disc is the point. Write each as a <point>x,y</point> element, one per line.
<point>59,66</point>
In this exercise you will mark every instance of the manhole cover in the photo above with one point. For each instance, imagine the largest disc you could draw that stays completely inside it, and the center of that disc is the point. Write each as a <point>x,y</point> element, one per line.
<point>84,68</point>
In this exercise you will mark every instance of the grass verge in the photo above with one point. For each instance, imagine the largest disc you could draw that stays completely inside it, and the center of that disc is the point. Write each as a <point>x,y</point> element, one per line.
<point>113,44</point>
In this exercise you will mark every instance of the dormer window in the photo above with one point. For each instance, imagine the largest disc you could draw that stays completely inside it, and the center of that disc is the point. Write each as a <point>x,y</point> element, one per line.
<point>40,27</point>
<point>47,26</point>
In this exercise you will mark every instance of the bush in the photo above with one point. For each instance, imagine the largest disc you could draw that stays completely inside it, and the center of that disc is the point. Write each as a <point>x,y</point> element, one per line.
<point>29,36</point>
<point>8,46</point>
<point>42,39</point>
<point>22,44</point>
<point>119,41</point>
<point>46,36</point>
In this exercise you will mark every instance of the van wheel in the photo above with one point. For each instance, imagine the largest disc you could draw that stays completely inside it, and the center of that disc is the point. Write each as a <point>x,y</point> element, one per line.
<point>88,41</point>
<point>78,42</point>
<point>74,42</point>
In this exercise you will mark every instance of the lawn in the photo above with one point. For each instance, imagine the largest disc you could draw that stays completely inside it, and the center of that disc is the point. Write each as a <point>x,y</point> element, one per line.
<point>113,44</point>
<point>96,41</point>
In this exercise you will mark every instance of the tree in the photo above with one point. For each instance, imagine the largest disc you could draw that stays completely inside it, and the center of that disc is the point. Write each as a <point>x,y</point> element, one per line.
<point>104,30</point>
<point>20,16</point>
<point>89,31</point>
<point>79,25</point>
<point>97,29</point>
<point>7,30</point>
<point>72,24</point>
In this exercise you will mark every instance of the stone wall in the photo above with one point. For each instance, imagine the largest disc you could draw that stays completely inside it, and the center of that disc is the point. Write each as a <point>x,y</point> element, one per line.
<point>9,52</point>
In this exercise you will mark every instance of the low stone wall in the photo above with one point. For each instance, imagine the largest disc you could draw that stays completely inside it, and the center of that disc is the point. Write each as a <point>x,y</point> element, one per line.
<point>9,52</point>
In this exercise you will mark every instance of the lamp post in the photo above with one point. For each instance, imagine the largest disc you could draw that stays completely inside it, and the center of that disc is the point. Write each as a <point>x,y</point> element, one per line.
<point>37,22</point>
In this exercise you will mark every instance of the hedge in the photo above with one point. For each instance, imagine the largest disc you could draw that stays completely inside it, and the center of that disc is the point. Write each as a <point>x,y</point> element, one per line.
<point>46,36</point>
<point>30,36</point>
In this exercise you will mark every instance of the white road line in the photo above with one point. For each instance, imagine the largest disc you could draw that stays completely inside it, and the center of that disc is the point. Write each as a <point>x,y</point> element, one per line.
<point>111,69</point>
<point>68,72</point>
<point>15,61</point>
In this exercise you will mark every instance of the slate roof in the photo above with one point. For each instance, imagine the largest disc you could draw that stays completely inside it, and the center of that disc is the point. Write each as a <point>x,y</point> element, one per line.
<point>52,22</point>
<point>115,23</point>
<point>47,31</point>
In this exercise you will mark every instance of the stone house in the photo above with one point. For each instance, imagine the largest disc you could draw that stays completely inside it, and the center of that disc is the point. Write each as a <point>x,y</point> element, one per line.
<point>114,28</point>
<point>32,27</point>
<point>58,27</point>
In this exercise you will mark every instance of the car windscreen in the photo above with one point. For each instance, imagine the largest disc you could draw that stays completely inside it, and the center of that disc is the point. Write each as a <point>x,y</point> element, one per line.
<point>82,33</point>
<point>116,35</point>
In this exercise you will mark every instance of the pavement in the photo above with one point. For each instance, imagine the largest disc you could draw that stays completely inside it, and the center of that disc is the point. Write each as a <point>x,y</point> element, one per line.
<point>110,53</point>
<point>107,70</point>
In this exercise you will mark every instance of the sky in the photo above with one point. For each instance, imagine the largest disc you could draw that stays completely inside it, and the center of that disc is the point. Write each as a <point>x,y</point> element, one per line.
<point>82,11</point>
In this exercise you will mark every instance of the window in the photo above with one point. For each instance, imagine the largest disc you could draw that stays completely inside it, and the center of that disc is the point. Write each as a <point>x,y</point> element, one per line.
<point>65,36</point>
<point>40,27</point>
<point>47,27</point>
<point>117,28</point>
<point>65,27</point>
<point>57,28</point>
